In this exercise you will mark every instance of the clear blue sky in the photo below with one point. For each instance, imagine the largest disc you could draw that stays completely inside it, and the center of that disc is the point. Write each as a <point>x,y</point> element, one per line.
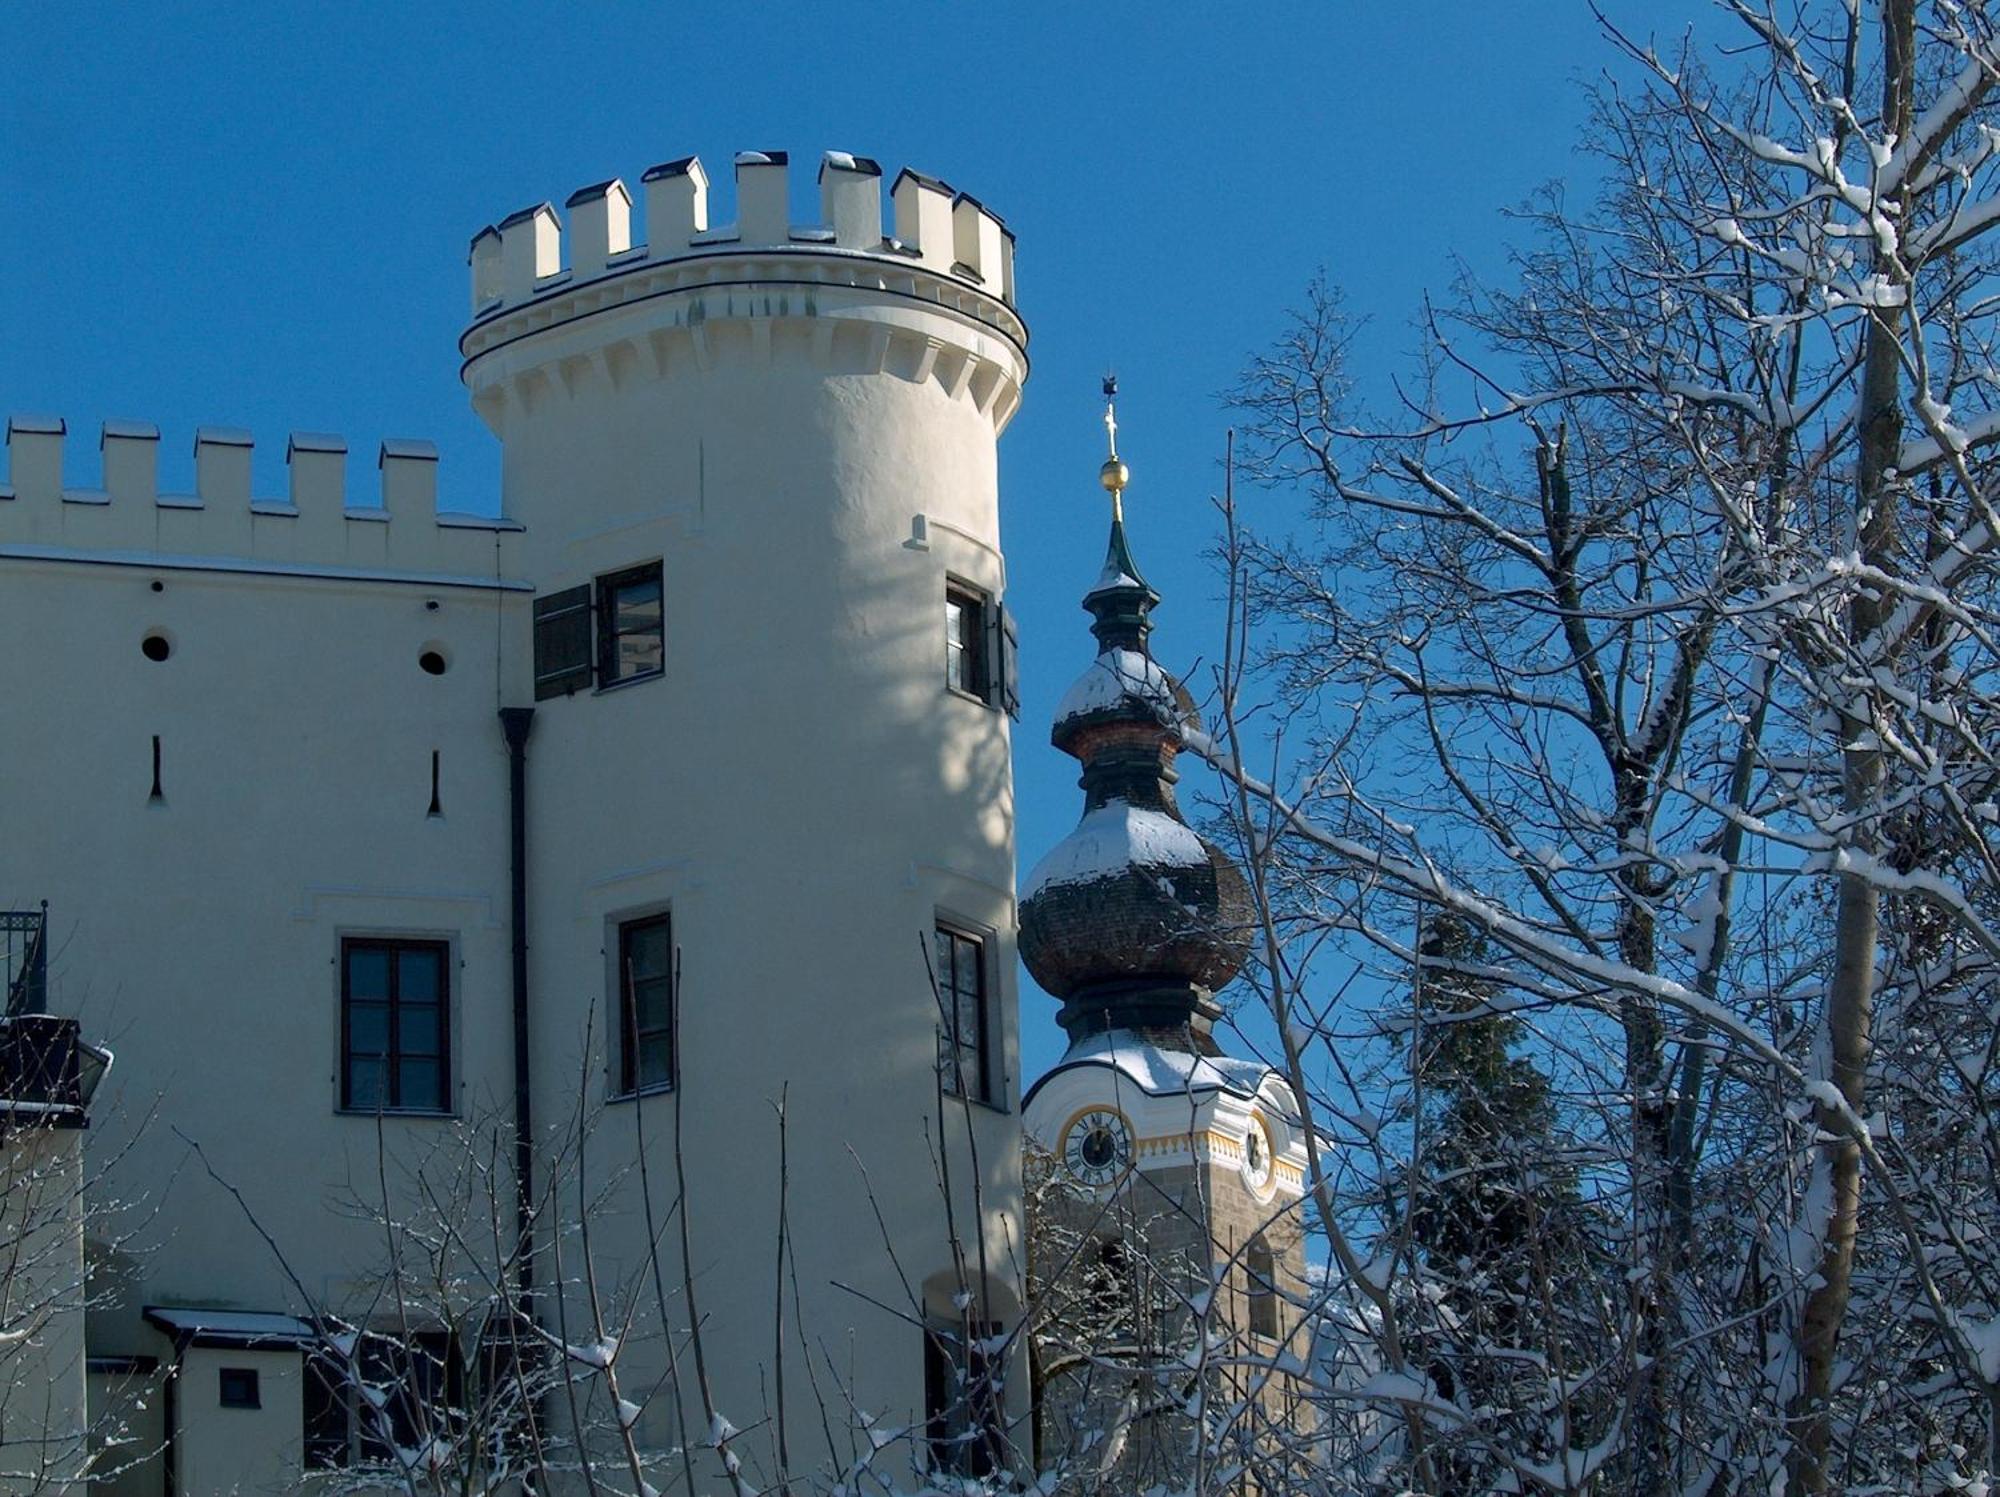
<point>257,215</point>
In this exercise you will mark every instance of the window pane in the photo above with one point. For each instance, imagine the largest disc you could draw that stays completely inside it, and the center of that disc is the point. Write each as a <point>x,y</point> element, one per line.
<point>367,1083</point>
<point>966,974</point>
<point>421,1085</point>
<point>639,654</point>
<point>368,1028</point>
<point>636,620</point>
<point>964,641</point>
<point>420,1029</point>
<point>652,1007</point>
<point>656,1061</point>
<point>947,1064</point>
<point>649,950</point>
<point>639,603</point>
<point>367,972</point>
<point>419,974</point>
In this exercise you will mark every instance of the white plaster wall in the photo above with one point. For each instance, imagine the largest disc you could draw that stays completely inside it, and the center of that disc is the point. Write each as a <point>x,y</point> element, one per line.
<point>199,936</point>
<point>803,792</point>
<point>234,1452</point>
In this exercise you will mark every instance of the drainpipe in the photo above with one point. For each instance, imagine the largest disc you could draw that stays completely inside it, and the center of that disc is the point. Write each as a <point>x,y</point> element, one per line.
<point>516,722</point>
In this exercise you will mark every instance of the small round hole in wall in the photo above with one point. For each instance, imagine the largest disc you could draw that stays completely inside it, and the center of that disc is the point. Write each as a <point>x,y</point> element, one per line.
<point>156,646</point>
<point>433,662</point>
<point>159,586</point>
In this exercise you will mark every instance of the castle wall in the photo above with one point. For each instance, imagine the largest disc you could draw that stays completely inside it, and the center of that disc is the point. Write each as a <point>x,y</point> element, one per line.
<point>799,426</point>
<point>197,931</point>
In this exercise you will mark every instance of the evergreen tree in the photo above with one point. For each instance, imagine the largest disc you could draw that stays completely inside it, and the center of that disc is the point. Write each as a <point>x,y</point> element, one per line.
<point>1493,1210</point>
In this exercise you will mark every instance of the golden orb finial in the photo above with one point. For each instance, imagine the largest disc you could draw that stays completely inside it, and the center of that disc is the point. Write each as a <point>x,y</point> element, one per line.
<point>1114,475</point>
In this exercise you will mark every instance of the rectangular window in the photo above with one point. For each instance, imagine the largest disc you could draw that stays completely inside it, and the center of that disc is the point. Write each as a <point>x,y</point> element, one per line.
<point>395,999</point>
<point>965,644</point>
<point>646,1005</point>
<point>963,1426</point>
<point>959,960</point>
<point>1261,1269</point>
<point>631,638</point>
<point>237,1388</point>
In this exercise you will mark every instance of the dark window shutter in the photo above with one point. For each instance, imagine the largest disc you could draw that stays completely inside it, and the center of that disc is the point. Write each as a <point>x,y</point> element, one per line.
<point>564,643</point>
<point>1009,652</point>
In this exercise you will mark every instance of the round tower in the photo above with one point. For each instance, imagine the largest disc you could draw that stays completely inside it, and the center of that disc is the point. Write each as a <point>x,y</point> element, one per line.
<point>769,801</point>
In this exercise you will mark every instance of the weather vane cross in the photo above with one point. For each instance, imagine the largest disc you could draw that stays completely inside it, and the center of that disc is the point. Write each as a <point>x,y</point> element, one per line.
<point>1114,475</point>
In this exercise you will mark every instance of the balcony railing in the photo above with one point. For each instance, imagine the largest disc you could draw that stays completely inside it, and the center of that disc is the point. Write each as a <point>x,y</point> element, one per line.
<point>24,959</point>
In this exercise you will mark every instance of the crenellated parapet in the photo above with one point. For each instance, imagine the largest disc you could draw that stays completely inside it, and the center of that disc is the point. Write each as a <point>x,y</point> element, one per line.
<point>318,524</point>
<point>934,274</point>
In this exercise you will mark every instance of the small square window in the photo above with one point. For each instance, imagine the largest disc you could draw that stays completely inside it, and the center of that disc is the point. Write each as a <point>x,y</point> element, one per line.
<point>645,1005</point>
<point>967,660</point>
<point>237,1388</point>
<point>631,625</point>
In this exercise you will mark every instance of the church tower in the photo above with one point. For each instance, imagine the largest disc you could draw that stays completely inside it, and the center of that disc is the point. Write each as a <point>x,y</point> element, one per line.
<point>1164,1212</point>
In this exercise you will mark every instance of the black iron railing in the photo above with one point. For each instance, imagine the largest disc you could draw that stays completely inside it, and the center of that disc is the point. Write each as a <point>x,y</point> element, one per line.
<point>24,959</point>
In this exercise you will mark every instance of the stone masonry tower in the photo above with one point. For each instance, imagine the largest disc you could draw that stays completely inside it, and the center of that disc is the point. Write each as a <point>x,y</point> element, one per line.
<point>769,802</point>
<point>1173,1173</point>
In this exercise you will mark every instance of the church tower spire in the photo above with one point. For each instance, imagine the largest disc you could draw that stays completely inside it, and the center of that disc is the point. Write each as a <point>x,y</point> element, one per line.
<point>1132,920</point>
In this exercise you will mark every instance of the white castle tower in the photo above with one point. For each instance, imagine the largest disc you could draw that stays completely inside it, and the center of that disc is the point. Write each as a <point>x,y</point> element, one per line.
<point>679,794</point>
<point>764,458</point>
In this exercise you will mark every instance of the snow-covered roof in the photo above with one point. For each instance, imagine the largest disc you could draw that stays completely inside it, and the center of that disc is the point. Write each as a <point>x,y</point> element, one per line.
<point>1115,837</point>
<point>1114,677</point>
<point>1112,576</point>
<point>244,1328</point>
<point>1157,1071</point>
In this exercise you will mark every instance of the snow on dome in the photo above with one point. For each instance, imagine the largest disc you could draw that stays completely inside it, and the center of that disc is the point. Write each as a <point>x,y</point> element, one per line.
<point>1161,1072</point>
<point>1117,676</point>
<point>1112,839</point>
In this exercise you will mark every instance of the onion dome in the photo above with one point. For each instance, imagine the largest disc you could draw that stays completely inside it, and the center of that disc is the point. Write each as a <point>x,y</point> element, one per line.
<point>1133,920</point>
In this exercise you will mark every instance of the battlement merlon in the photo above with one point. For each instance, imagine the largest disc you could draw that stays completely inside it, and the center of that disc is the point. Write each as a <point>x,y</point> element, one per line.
<point>929,225</point>
<point>315,525</point>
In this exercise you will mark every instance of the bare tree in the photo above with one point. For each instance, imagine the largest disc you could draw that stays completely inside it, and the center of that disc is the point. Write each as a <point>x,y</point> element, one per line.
<point>1686,714</point>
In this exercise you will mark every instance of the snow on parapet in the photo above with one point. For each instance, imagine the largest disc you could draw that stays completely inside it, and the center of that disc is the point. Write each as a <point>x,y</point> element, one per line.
<point>317,522</point>
<point>929,225</point>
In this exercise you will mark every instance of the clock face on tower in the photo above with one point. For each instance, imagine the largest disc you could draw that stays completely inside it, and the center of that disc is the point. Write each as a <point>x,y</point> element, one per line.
<point>1256,1154</point>
<point>1097,1147</point>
